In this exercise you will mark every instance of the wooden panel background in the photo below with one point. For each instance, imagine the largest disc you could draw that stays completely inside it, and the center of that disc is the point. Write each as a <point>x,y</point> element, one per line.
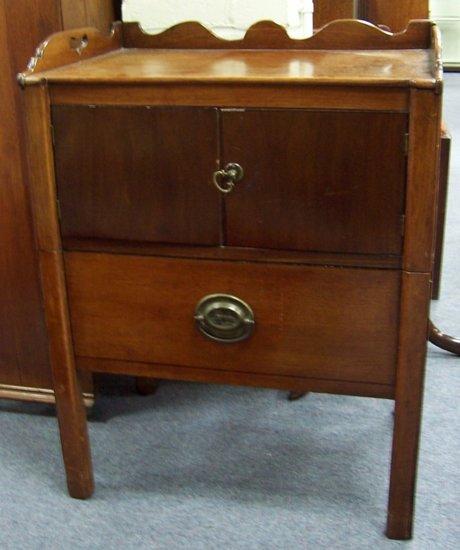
<point>328,10</point>
<point>393,14</point>
<point>91,13</point>
<point>23,346</point>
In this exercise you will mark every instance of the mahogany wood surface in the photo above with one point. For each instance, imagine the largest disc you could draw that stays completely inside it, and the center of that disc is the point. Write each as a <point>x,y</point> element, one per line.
<point>316,180</point>
<point>71,47</point>
<point>237,378</point>
<point>314,322</point>
<point>394,15</point>
<point>364,67</point>
<point>229,253</point>
<point>95,13</point>
<point>68,393</point>
<point>23,348</point>
<point>346,34</point>
<point>444,162</point>
<point>422,181</point>
<point>117,178</point>
<point>329,10</point>
<point>443,341</point>
<point>353,97</point>
<point>359,330</point>
<point>24,363</point>
<point>413,327</point>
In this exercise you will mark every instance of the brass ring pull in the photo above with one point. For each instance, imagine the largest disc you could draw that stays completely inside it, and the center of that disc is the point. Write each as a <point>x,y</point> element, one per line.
<point>224,318</point>
<point>225,179</point>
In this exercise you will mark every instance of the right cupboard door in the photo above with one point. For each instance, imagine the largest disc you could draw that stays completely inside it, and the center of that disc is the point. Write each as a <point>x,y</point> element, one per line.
<point>330,181</point>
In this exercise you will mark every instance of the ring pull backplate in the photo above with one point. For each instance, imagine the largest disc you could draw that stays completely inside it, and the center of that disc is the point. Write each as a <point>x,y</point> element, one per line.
<point>224,318</point>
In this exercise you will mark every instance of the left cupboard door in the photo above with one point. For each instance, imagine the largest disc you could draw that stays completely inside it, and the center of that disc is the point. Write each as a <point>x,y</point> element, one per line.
<point>137,173</point>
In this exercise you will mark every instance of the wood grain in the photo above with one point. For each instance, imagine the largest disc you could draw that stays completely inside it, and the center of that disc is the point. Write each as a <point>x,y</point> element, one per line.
<point>237,378</point>
<point>93,13</point>
<point>67,47</point>
<point>315,322</point>
<point>117,179</point>
<point>313,180</point>
<point>358,330</point>
<point>395,16</point>
<point>344,34</point>
<point>67,389</point>
<point>230,253</point>
<point>68,394</point>
<point>41,168</point>
<point>415,300</point>
<point>414,67</point>
<point>23,348</point>
<point>443,186</point>
<point>422,181</point>
<point>329,10</point>
<point>352,97</point>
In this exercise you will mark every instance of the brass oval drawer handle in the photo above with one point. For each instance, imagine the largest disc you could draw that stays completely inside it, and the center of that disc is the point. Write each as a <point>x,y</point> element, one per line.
<point>224,318</point>
<point>225,179</point>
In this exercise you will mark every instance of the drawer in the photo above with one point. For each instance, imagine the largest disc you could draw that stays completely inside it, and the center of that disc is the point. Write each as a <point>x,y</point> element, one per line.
<point>317,322</point>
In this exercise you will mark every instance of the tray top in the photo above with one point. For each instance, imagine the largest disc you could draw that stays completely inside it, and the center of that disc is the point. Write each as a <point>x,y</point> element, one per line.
<point>344,52</point>
<point>156,66</point>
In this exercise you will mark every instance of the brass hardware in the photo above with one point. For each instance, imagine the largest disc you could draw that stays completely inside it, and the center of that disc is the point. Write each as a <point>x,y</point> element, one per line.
<point>224,318</point>
<point>225,179</point>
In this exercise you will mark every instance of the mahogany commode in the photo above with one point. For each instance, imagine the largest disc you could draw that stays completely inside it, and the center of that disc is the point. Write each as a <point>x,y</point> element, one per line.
<point>255,212</point>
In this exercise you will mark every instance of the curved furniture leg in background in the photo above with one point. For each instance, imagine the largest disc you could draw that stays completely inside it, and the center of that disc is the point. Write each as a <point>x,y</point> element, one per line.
<point>443,341</point>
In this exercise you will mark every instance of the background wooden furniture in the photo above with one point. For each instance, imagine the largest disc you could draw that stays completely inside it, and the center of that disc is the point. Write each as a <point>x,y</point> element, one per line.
<point>326,11</point>
<point>336,311</point>
<point>394,14</point>
<point>24,364</point>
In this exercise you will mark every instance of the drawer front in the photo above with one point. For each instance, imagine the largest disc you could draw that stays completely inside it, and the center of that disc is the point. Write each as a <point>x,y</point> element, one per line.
<point>137,174</point>
<point>316,180</point>
<point>319,322</point>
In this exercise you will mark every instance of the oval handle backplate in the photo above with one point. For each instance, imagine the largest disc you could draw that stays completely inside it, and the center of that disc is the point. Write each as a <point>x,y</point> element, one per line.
<point>224,318</point>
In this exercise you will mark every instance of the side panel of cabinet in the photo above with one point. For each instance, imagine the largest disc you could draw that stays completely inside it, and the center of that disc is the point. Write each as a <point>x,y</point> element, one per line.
<point>316,180</point>
<point>137,173</point>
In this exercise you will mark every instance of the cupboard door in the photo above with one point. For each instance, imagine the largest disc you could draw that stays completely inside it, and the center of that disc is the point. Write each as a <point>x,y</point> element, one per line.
<point>316,180</point>
<point>137,173</point>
